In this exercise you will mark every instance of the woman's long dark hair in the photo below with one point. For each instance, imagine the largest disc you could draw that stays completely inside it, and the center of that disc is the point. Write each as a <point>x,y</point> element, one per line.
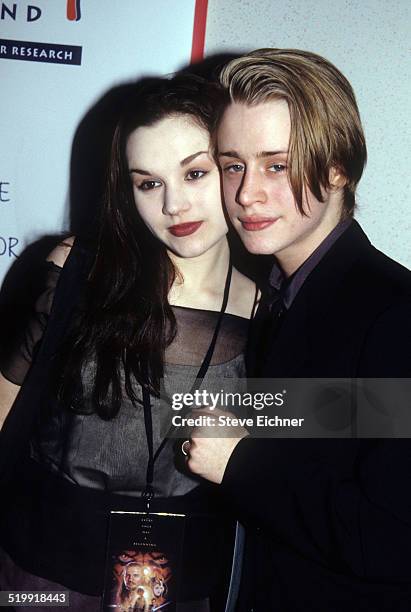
<point>126,322</point>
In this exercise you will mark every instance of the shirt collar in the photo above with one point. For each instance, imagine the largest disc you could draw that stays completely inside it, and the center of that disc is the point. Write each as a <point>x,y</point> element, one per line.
<point>289,287</point>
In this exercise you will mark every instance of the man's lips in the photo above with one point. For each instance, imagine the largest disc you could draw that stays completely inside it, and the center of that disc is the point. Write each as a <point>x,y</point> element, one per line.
<point>254,224</point>
<point>184,229</point>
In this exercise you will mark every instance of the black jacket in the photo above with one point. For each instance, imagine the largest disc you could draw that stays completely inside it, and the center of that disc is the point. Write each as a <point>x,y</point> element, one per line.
<point>329,520</point>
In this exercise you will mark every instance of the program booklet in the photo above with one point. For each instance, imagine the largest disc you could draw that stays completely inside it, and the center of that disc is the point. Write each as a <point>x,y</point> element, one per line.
<point>143,561</point>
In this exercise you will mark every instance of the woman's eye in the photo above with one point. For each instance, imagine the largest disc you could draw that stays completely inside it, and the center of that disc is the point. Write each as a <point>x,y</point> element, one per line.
<point>234,168</point>
<point>148,185</point>
<point>277,168</point>
<point>193,175</point>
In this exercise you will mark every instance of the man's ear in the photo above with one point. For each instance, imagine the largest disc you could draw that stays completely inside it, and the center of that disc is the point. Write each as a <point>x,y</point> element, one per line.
<point>337,178</point>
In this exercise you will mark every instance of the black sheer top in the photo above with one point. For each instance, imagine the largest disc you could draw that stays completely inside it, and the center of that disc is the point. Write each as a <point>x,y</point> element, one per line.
<point>112,455</point>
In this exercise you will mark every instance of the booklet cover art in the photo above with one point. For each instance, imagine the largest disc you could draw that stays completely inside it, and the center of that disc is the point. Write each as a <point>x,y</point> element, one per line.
<point>140,581</point>
<point>143,561</point>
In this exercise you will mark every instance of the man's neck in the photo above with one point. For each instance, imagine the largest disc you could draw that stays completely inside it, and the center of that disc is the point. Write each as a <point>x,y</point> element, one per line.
<point>293,256</point>
<point>294,282</point>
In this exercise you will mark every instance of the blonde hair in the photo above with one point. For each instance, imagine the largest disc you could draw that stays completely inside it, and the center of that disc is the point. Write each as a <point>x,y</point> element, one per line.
<point>326,130</point>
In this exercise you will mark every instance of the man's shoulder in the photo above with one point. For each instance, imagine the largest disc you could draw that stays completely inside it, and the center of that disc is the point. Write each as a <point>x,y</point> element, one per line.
<point>361,268</point>
<point>380,271</point>
<point>385,306</point>
<point>355,284</point>
<point>376,288</point>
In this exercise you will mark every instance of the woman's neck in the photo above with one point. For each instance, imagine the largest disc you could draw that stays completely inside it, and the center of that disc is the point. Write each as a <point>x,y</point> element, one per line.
<point>200,280</point>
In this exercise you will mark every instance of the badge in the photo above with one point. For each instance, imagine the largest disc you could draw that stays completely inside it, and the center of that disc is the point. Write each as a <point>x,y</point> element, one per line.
<point>143,561</point>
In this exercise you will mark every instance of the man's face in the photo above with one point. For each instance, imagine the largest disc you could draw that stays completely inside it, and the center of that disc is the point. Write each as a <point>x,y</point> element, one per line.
<point>133,577</point>
<point>253,153</point>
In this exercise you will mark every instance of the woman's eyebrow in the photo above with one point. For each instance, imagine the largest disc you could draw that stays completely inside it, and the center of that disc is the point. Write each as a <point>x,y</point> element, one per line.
<point>183,162</point>
<point>190,158</point>
<point>138,171</point>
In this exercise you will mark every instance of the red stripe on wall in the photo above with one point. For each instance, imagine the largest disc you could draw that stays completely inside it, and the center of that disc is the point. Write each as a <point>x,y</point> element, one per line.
<point>199,30</point>
<point>71,10</point>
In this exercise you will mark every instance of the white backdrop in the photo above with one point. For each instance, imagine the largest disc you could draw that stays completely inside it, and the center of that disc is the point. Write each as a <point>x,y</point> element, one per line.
<point>42,103</point>
<point>368,40</point>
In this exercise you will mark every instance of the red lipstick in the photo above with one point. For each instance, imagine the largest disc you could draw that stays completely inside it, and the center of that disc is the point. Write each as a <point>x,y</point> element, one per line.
<point>184,229</point>
<point>254,224</point>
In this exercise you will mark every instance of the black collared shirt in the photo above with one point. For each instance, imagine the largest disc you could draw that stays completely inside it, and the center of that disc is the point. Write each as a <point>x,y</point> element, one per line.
<point>289,287</point>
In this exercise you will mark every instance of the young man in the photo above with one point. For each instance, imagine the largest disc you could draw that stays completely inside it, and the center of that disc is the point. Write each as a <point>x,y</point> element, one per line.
<point>328,520</point>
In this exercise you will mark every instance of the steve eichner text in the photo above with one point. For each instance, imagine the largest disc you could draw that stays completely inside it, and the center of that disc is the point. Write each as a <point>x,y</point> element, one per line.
<point>232,421</point>
<point>221,399</point>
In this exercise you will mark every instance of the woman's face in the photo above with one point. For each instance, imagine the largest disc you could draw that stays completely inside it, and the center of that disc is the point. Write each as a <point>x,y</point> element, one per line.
<point>176,185</point>
<point>158,589</point>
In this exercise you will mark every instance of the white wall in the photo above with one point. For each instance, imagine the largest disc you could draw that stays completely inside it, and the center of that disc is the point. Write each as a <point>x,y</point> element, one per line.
<point>41,104</point>
<point>368,40</point>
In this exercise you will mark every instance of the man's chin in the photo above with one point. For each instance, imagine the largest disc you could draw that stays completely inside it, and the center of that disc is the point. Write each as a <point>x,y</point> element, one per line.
<point>257,248</point>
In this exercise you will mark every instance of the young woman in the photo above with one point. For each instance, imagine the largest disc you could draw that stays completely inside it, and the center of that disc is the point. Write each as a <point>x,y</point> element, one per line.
<point>160,299</point>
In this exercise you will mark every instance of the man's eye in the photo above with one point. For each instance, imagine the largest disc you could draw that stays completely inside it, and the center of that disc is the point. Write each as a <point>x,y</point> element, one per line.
<point>234,168</point>
<point>193,175</point>
<point>277,168</point>
<point>149,185</point>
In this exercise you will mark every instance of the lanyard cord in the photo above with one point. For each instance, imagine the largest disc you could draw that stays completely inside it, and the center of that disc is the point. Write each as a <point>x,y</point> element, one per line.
<point>148,492</point>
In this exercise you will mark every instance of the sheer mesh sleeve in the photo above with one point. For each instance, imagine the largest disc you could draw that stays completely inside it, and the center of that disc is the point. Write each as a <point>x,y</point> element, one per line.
<point>15,365</point>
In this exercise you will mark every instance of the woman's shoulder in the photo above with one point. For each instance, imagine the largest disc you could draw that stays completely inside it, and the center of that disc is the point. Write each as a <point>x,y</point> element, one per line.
<point>244,295</point>
<point>59,254</point>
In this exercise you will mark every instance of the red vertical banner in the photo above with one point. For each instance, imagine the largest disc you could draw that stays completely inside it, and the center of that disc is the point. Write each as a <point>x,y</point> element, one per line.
<point>199,30</point>
<point>73,10</point>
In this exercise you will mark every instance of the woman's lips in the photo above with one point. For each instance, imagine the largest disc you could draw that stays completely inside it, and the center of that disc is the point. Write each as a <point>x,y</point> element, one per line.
<point>184,229</point>
<point>254,224</point>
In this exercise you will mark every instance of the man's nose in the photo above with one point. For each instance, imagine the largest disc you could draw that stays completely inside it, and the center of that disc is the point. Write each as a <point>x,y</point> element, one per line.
<point>175,201</point>
<point>251,190</point>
